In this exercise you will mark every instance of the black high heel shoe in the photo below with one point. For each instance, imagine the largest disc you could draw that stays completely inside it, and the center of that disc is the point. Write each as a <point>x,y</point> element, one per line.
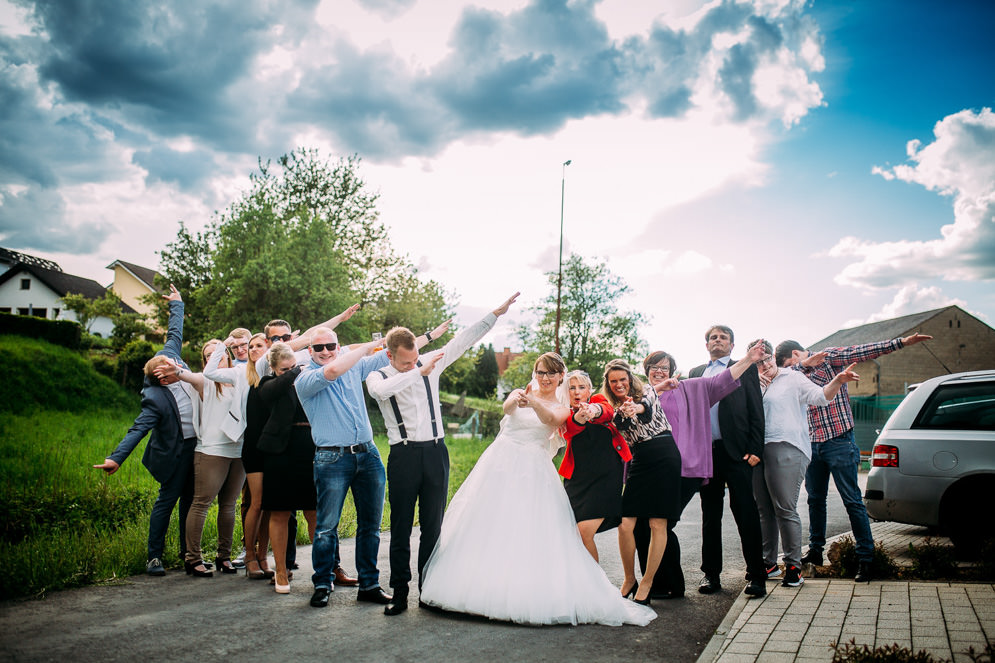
<point>645,601</point>
<point>632,591</point>
<point>225,566</point>
<point>192,570</point>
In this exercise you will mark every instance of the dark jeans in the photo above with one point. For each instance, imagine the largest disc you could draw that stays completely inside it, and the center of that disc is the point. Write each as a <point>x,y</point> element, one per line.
<point>839,457</point>
<point>738,476</point>
<point>415,471</point>
<point>669,578</point>
<point>178,487</point>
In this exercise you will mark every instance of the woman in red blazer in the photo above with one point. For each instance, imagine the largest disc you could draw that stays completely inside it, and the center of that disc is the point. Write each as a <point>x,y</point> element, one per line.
<point>593,461</point>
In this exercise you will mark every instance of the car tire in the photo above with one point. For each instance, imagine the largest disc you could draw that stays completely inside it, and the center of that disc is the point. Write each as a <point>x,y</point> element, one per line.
<point>964,519</point>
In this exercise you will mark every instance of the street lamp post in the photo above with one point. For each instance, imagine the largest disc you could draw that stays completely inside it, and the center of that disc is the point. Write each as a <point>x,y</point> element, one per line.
<point>559,278</point>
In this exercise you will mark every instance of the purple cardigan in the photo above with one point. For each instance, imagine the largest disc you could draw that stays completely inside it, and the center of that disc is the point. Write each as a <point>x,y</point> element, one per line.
<point>687,411</point>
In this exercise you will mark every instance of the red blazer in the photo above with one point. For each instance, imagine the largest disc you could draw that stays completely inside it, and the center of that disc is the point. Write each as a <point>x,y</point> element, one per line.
<point>571,428</point>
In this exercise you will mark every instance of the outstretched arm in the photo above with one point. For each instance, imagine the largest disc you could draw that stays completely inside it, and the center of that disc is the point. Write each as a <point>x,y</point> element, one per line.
<point>428,337</point>
<point>300,341</point>
<point>833,388</point>
<point>174,328</point>
<point>170,367</point>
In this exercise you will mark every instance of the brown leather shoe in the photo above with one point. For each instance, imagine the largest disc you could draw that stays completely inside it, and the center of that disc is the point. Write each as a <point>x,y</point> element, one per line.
<point>342,580</point>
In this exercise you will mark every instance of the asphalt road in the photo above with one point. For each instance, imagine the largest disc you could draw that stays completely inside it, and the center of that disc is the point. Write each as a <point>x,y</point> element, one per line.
<point>178,618</point>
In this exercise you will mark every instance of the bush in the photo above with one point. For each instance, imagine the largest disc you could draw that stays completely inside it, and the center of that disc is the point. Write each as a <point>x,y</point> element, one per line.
<point>39,375</point>
<point>61,332</point>
<point>104,364</point>
<point>131,362</point>
<point>93,342</point>
<point>843,560</point>
<point>931,561</point>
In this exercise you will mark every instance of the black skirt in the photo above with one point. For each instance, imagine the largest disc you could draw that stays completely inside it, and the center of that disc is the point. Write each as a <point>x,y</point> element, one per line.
<point>288,477</point>
<point>653,489</point>
<point>595,489</point>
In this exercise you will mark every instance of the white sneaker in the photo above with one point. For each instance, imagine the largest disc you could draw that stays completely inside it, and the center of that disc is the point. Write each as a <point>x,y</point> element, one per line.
<point>239,562</point>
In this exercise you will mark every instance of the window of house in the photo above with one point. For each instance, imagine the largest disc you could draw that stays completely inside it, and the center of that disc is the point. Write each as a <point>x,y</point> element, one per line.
<point>25,284</point>
<point>22,311</point>
<point>40,312</point>
<point>4,309</point>
<point>55,314</point>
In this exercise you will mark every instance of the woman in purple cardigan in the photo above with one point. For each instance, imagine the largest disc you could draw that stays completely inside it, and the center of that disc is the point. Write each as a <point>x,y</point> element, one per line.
<point>686,404</point>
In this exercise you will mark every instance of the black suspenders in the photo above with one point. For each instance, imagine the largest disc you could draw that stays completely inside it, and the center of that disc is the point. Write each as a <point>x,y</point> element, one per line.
<point>397,410</point>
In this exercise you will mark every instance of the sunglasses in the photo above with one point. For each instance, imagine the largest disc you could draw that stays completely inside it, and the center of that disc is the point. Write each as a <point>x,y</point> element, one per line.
<point>286,338</point>
<point>318,347</point>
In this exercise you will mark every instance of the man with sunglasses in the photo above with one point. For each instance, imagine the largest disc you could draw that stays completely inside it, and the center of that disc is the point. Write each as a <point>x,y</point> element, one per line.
<point>280,330</point>
<point>407,392</point>
<point>330,388</point>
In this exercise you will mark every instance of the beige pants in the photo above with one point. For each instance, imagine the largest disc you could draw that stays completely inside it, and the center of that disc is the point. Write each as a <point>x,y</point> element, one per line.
<point>214,476</point>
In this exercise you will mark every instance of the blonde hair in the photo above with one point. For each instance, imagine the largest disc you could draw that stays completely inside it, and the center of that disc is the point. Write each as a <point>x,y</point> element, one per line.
<point>217,385</point>
<point>153,364</point>
<point>580,376</point>
<point>278,352</point>
<point>250,366</point>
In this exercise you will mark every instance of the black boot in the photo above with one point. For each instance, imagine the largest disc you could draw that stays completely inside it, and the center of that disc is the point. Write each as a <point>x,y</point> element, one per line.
<point>399,603</point>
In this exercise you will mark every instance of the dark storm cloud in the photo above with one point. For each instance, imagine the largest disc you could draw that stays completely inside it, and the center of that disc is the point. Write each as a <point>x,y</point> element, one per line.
<point>169,66</point>
<point>184,168</point>
<point>34,220</point>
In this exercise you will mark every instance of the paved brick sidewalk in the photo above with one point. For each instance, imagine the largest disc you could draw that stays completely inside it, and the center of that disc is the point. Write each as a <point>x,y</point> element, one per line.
<point>798,624</point>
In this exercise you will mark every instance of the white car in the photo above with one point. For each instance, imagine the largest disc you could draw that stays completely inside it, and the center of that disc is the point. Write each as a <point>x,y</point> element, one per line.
<point>933,463</point>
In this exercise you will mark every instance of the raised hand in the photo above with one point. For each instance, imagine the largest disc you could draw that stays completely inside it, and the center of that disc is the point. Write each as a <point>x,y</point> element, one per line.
<point>814,359</point>
<point>167,368</point>
<point>441,329</point>
<point>501,310</point>
<point>349,312</point>
<point>848,375</point>
<point>757,351</point>
<point>174,294</point>
<point>667,385</point>
<point>429,365</point>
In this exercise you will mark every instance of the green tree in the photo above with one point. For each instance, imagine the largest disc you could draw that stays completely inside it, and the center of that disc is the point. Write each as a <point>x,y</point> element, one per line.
<point>593,328</point>
<point>88,310</point>
<point>457,375</point>
<point>519,372</point>
<point>483,380</point>
<point>127,327</point>
<point>302,244</point>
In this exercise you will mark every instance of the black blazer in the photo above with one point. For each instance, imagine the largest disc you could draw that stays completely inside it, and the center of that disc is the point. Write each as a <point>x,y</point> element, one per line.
<point>277,393</point>
<point>741,415</point>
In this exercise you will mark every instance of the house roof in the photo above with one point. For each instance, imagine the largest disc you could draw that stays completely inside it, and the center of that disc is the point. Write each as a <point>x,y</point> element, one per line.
<point>15,257</point>
<point>878,331</point>
<point>61,283</point>
<point>143,274</point>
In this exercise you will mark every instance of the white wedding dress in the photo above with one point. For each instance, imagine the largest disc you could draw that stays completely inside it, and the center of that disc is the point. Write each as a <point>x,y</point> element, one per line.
<point>509,547</point>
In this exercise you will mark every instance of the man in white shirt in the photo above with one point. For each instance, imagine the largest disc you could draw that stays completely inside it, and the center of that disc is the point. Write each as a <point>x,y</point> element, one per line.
<point>407,391</point>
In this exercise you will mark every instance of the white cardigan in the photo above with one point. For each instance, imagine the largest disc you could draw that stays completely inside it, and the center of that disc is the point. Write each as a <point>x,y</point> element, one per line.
<point>222,419</point>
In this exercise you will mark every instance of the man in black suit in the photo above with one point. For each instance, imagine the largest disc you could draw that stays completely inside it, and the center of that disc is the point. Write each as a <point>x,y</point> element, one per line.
<point>171,410</point>
<point>737,446</point>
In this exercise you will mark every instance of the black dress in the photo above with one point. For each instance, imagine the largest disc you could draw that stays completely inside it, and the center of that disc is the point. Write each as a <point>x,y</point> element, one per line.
<point>595,487</point>
<point>256,415</point>
<point>288,449</point>
<point>653,486</point>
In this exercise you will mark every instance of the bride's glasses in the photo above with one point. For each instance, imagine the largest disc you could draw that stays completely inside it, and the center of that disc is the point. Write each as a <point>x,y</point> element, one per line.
<point>546,374</point>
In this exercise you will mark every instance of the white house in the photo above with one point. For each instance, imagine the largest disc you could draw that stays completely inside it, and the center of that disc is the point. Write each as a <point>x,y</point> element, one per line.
<point>28,289</point>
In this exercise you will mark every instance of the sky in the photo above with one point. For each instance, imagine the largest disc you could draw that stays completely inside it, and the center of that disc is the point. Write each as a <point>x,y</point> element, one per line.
<point>785,168</point>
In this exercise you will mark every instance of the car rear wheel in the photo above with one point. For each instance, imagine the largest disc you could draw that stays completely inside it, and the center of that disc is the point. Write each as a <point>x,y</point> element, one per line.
<point>966,517</point>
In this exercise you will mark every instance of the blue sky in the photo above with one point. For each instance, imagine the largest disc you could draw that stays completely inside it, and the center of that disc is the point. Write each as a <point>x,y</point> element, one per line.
<point>737,162</point>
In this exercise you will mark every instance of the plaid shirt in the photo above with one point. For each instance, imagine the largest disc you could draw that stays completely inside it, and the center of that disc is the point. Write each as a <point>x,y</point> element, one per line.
<point>829,421</point>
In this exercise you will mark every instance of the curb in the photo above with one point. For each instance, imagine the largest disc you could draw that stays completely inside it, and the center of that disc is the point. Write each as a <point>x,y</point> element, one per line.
<point>711,651</point>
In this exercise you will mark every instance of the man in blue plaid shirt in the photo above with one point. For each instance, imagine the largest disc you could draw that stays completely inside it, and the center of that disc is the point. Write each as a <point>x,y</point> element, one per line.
<point>834,451</point>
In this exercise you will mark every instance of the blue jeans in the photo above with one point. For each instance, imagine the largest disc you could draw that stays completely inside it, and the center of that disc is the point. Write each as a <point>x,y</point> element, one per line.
<point>840,457</point>
<point>335,473</point>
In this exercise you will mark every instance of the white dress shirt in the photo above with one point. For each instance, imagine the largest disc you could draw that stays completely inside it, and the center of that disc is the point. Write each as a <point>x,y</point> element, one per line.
<point>417,396</point>
<point>786,402</point>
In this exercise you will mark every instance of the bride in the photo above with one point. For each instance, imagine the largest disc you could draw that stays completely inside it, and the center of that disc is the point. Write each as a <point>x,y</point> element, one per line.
<point>509,547</point>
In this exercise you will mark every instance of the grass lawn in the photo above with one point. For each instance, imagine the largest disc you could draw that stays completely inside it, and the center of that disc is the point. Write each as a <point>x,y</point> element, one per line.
<point>65,524</point>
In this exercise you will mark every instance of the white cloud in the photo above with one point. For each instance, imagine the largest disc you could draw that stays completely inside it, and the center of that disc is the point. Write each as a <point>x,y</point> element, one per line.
<point>960,162</point>
<point>911,299</point>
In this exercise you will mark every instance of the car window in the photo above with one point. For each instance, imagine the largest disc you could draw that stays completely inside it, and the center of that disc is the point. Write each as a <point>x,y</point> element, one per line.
<point>968,406</point>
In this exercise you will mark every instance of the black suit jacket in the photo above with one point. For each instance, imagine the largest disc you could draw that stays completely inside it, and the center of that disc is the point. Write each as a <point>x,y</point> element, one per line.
<point>741,415</point>
<point>279,398</point>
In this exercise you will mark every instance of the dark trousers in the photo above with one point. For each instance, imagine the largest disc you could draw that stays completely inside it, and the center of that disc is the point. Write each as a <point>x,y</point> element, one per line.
<point>738,476</point>
<point>416,471</point>
<point>179,487</point>
<point>669,578</point>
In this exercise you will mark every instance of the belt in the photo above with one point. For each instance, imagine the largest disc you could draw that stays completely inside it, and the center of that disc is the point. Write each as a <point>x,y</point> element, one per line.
<point>302,423</point>
<point>422,443</point>
<point>351,449</point>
